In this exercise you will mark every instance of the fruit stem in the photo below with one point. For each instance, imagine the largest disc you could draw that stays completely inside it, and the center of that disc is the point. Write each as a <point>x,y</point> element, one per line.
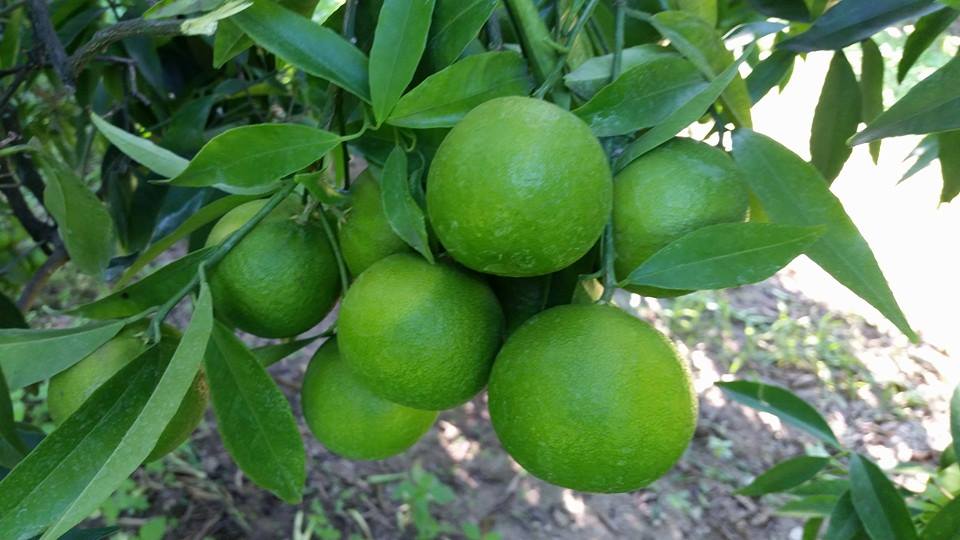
<point>609,257</point>
<point>620,23</point>
<point>341,267</point>
<point>216,256</point>
<point>534,35</point>
<point>554,76</point>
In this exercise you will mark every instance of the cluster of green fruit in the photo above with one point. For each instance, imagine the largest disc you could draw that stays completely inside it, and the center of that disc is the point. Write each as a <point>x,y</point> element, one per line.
<point>19,259</point>
<point>581,394</point>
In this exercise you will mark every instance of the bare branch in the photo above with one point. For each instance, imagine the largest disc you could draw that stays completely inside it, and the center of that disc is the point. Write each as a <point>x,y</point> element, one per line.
<point>45,33</point>
<point>39,280</point>
<point>122,30</point>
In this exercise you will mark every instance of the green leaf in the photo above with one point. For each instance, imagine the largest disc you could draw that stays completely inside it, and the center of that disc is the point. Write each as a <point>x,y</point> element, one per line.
<point>836,118</point>
<point>594,74</point>
<point>153,290</point>
<point>313,48</point>
<point>8,428</point>
<point>84,223</point>
<point>228,42</point>
<point>871,88</point>
<point>782,403</point>
<point>443,98</point>
<point>252,159</point>
<point>924,34</point>
<point>724,255</point>
<point>948,144</point>
<point>317,184</point>
<point>814,506</point>
<point>785,475</point>
<point>405,216</point>
<point>793,192</point>
<point>90,534</point>
<point>255,419</point>
<point>157,159</point>
<point>643,96</point>
<point>704,9</point>
<point>58,349</point>
<point>112,464</point>
<point>791,10</point>
<point>930,106</point>
<point>823,486</point>
<point>455,24</point>
<point>206,24</point>
<point>844,523</point>
<point>682,117</point>
<point>851,21</point>
<point>925,153</point>
<point>811,529</point>
<point>703,46</point>
<point>879,505</point>
<point>172,8</point>
<point>10,316</point>
<point>768,73</point>
<point>398,44</point>
<point>945,524</point>
<point>198,219</point>
<point>10,41</point>
<point>271,354</point>
<point>955,421</point>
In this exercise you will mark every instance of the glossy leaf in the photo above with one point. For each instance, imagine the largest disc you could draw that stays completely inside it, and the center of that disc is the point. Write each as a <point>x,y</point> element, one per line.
<point>814,506</point>
<point>925,153</point>
<point>768,73</point>
<point>157,159</point>
<point>782,403</point>
<point>724,255</point>
<point>212,211</point>
<point>924,34</point>
<point>879,505</point>
<point>955,421</point>
<point>112,464</point>
<point>228,42</point>
<point>271,354</point>
<point>871,88</point>
<point>791,10</point>
<point>84,223</point>
<point>702,45</point>
<point>455,24</point>
<point>594,74</point>
<point>836,118</point>
<point>252,159</point>
<point>315,49</point>
<point>793,192</point>
<point>254,418</point>
<point>948,144</point>
<point>10,316</point>
<point>642,97</point>
<point>682,117</point>
<point>59,348</point>
<point>152,290</point>
<point>844,522</point>
<point>11,39</point>
<point>443,98</point>
<point>851,21</point>
<point>785,475</point>
<point>398,44</point>
<point>945,524</point>
<point>405,216</point>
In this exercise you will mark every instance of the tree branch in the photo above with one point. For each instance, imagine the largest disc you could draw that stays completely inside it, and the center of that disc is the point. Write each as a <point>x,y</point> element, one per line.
<point>122,30</point>
<point>45,33</point>
<point>39,280</point>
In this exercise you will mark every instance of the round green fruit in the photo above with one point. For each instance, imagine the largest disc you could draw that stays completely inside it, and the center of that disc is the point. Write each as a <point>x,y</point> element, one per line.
<point>590,398</point>
<point>280,280</point>
<point>519,187</point>
<point>351,420</point>
<point>419,334</point>
<point>366,236</point>
<point>680,187</point>
<point>71,387</point>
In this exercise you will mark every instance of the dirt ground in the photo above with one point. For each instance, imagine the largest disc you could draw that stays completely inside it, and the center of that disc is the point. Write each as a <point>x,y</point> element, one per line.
<point>882,396</point>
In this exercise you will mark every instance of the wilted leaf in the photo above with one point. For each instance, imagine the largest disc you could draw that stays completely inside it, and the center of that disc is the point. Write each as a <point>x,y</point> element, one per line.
<point>785,475</point>
<point>924,34</point>
<point>443,98</point>
<point>455,24</point>
<point>157,159</point>
<point>879,505</point>
<point>836,118</point>
<point>793,192</point>
<point>851,21</point>
<point>782,403</point>
<point>398,44</point>
<point>405,216</point>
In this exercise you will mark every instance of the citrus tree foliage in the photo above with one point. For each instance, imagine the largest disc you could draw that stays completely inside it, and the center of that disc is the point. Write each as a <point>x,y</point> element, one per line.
<point>130,128</point>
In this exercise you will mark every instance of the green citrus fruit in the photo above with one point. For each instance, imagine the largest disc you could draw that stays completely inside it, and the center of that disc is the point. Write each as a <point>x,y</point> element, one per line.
<point>71,387</point>
<point>520,187</point>
<point>590,398</point>
<point>366,236</point>
<point>351,420</point>
<point>280,280</point>
<point>680,187</point>
<point>419,334</point>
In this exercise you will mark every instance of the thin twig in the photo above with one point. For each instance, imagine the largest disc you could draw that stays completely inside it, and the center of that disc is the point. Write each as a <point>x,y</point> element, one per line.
<point>554,76</point>
<point>39,280</point>
<point>122,30</point>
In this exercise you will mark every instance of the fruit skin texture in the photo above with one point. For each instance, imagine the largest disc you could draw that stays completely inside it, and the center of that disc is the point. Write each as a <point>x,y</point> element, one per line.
<point>520,187</point>
<point>71,387</point>
<point>366,236</point>
<point>589,398</point>
<point>280,280</point>
<point>351,420</point>
<point>419,334</point>
<point>680,187</point>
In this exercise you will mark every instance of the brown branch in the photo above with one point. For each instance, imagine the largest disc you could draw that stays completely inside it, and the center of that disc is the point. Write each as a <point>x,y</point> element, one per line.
<point>39,280</point>
<point>122,30</point>
<point>45,33</point>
